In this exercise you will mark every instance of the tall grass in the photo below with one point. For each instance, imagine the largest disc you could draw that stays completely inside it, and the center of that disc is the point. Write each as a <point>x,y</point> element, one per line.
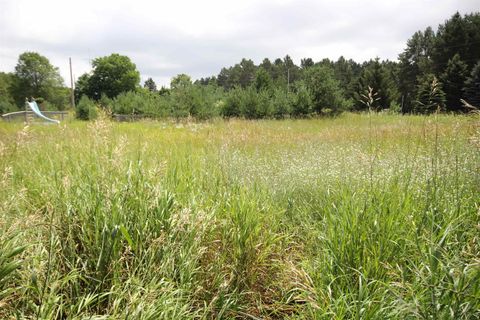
<point>362,216</point>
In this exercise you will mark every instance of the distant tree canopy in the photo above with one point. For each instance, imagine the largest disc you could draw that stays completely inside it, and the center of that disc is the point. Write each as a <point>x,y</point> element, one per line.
<point>111,75</point>
<point>36,77</point>
<point>436,67</point>
<point>150,85</point>
<point>449,54</point>
<point>436,70</point>
<point>181,81</point>
<point>471,90</point>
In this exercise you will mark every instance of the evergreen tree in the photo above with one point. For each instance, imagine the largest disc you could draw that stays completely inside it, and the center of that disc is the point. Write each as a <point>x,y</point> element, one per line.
<point>472,87</point>
<point>415,61</point>
<point>150,85</point>
<point>301,100</point>
<point>453,80</point>
<point>244,73</point>
<point>263,81</point>
<point>306,63</point>
<point>375,76</point>
<point>430,96</point>
<point>458,35</point>
<point>279,73</point>
<point>281,103</point>
<point>292,71</point>
<point>347,72</point>
<point>325,90</point>
<point>224,78</point>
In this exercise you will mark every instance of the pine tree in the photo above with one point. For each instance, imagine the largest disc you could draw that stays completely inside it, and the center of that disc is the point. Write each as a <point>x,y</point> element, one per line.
<point>430,96</point>
<point>415,61</point>
<point>262,81</point>
<point>453,80</point>
<point>458,35</point>
<point>150,85</point>
<point>375,76</point>
<point>472,87</point>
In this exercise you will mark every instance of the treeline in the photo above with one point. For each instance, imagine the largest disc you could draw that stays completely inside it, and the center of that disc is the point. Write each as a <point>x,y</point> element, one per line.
<point>34,76</point>
<point>434,72</point>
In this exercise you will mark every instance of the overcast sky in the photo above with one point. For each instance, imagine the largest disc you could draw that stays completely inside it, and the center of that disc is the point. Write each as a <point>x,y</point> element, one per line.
<point>165,38</point>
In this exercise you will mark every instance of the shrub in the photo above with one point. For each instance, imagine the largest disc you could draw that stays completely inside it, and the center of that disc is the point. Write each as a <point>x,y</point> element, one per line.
<point>301,101</point>
<point>282,103</point>
<point>86,109</point>
<point>265,108</point>
<point>233,103</point>
<point>6,106</point>
<point>325,90</point>
<point>249,103</point>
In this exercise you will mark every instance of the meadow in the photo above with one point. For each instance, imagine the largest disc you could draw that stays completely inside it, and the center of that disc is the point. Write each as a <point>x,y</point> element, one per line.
<point>362,216</point>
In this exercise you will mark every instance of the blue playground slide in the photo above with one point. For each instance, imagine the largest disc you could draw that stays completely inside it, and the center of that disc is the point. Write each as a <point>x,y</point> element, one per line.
<point>33,105</point>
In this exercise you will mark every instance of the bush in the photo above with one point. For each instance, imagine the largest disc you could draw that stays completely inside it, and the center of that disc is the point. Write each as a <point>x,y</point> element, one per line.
<point>233,103</point>
<point>301,101</point>
<point>86,109</point>
<point>141,103</point>
<point>325,90</point>
<point>282,103</point>
<point>6,106</point>
<point>249,103</point>
<point>265,108</point>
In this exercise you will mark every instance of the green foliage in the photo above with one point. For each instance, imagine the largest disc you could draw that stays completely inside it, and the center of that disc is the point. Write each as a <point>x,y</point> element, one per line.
<point>36,77</point>
<point>458,35</point>
<point>6,106</point>
<point>194,100</point>
<point>347,72</point>
<point>150,85</point>
<point>250,102</point>
<point>197,101</point>
<point>325,90</point>
<point>111,76</point>
<point>453,80</point>
<point>233,103</point>
<point>430,96</point>
<point>10,261</point>
<point>140,103</point>
<point>307,63</point>
<point>7,102</point>
<point>265,108</point>
<point>181,81</point>
<point>263,81</point>
<point>242,74</point>
<point>472,87</point>
<point>415,61</point>
<point>302,100</point>
<point>7,85</point>
<point>105,102</point>
<point>375,76</point>
<point>86,109</point>
<point>282,104</point>
<point>82,87</point>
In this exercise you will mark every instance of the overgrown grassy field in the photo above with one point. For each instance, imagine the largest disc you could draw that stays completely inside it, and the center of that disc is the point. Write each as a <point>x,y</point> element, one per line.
<point>357,217</point>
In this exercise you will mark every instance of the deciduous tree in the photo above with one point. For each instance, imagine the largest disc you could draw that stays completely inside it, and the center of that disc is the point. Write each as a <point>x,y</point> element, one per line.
<point>112,75</point>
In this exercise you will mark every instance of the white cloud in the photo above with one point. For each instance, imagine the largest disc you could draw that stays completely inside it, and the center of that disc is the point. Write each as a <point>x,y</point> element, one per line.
<point>199,37</point>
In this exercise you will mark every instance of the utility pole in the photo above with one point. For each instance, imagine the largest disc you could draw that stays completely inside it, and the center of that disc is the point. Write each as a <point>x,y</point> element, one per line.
<point>72,97</point>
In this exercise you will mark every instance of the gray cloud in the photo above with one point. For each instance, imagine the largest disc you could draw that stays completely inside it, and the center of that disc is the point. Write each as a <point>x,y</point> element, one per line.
<point>165,41</point>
